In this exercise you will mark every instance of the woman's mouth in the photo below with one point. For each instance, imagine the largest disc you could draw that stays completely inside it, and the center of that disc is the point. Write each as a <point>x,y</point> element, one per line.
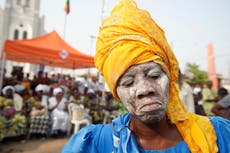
<point>150,106</point>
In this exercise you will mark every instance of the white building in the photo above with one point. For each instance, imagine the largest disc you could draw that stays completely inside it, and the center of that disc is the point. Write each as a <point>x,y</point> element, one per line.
<point>20,19</point>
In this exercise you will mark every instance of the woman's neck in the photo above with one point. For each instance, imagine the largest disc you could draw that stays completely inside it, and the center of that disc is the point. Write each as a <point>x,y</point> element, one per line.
<point>155,136</point>
<point>149,130</point>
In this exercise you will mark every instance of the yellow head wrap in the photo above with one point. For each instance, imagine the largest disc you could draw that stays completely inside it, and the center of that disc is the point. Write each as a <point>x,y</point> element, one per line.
<point>130,36</point>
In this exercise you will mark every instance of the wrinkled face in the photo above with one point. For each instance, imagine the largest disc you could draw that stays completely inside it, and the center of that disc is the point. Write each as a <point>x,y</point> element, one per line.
<point>143,89</point>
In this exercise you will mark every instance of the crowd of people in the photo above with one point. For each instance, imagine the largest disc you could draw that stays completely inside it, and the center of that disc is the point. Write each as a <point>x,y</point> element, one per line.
<point>41,107</point>
<point>202,99</point>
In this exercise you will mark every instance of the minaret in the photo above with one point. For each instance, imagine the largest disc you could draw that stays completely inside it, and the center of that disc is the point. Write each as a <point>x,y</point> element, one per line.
<point>211,68</point>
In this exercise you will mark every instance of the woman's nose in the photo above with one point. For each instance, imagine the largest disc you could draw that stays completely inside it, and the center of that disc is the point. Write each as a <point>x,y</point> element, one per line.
<point>144,88</point>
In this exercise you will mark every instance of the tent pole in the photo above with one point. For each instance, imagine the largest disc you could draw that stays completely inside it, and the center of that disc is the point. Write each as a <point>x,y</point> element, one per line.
<point>2,69</point>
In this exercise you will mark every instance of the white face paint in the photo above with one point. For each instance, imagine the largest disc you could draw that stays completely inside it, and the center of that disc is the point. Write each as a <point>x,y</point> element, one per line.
<point>144,90</point>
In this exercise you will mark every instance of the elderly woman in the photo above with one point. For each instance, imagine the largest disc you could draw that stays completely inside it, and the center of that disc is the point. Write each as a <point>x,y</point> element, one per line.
<point>140,69</point>
<point>38,113</point>
<point>11,123</point>
<point>59,112</point>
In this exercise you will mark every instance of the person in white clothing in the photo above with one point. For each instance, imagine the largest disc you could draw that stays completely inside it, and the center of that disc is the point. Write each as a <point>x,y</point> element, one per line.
<point>59,113</point>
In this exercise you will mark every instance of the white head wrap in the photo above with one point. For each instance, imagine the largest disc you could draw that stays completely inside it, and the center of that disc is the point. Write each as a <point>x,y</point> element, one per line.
<point>40,87</point>
<point>6,88</point>
<point>46,88</point>
<point>57,90</point>
<point>19,88</point>
<point>90,91</point>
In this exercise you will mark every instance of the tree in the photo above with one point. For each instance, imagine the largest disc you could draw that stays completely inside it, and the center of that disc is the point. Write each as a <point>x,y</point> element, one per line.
<point>199,76</point>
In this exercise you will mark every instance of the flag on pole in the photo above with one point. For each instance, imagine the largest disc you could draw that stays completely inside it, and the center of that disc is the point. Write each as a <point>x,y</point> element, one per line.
<point>67,6</point>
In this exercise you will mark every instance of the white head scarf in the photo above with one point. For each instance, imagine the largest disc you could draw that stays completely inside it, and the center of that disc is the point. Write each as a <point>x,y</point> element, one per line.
<point>6,88</point>
<point>19,88</point>
<point>90,91</point>
<point>40,87</point>
<point>57,90</point>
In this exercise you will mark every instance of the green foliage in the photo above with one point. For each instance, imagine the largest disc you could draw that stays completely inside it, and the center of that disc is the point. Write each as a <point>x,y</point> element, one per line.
<point>199,76</point>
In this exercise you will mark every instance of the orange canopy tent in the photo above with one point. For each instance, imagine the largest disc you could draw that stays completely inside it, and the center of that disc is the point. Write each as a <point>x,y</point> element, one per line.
<point>49,49</point>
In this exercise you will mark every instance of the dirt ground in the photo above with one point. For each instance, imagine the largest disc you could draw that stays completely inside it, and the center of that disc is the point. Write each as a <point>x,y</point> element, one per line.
<point>50,145</point>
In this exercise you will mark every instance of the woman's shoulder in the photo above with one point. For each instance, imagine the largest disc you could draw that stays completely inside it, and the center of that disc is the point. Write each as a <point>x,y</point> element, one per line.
<point>89,139</point>
<point>221,126</point>
<point>219,122</point>
<point>94,130</point>
<point>222,130</point>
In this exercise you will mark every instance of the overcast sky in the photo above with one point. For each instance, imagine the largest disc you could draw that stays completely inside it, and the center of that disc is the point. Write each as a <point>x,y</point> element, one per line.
<point>190,25</point>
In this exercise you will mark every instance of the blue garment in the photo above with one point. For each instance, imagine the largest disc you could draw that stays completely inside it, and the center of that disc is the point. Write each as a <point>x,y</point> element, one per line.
<point>117,138</point>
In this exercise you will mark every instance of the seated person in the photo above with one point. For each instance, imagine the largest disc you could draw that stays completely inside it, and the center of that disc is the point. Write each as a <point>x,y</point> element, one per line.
<point>75,96</point>
<point>11,123</point>
<point>75,101</point>
<point>38,113</point>
<point>91,102</point>
<point>110,109</point>
<point>59,113</point>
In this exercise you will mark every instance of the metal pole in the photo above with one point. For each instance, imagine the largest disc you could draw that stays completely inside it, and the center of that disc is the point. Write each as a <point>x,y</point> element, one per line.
<point>64,32</point>
<point>65,22</point>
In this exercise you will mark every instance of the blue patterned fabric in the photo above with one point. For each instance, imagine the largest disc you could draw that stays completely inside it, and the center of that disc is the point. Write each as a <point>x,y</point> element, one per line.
<point>117,138</point>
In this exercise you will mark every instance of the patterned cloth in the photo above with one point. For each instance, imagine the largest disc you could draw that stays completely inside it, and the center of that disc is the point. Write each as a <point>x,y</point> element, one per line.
<point>11,124</point>
<point>39,124</point>
<point>39,119</point>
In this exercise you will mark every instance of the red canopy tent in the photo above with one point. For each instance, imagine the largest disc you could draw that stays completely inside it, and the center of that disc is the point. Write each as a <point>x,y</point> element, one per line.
<point>49,49</point>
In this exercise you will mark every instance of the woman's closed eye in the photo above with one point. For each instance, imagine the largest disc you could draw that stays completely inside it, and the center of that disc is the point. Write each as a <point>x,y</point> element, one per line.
<point>127,82</point>
<point>153,74</point>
